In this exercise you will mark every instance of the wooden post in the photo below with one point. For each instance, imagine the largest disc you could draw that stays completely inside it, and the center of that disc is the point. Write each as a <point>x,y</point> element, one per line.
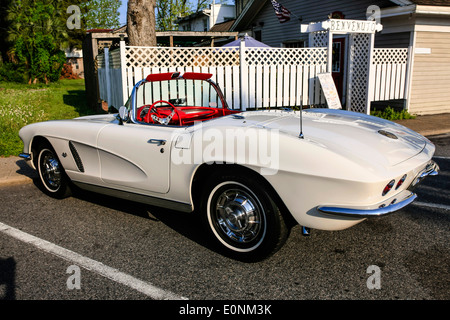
<point>90,52</point>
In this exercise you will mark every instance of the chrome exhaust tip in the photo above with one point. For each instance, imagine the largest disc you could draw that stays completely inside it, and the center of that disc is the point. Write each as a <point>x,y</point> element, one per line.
<point>306,231</point>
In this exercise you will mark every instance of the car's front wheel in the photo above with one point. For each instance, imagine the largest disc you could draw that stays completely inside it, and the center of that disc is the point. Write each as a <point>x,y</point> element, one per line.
<point>242,217</point>
<point>51,173</point>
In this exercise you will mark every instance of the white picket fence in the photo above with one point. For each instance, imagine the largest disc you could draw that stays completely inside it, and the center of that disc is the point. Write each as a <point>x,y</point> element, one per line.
<point>249,77</point>
<point>389,74</point>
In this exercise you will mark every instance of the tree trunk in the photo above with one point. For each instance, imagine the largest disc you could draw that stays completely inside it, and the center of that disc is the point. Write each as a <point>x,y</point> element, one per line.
<point>141,23</point>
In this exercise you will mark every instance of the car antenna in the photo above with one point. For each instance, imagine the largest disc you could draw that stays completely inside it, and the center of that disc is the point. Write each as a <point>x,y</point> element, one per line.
<point>301,121</point>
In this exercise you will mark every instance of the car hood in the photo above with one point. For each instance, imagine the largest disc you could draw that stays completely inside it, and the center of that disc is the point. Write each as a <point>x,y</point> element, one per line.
<point>356,135</point>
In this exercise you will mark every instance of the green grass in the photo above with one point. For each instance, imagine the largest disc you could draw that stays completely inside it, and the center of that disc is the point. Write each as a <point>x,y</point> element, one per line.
<point>22,104</point>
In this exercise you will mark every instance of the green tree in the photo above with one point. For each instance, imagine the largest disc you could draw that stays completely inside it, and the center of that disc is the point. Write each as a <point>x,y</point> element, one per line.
<point>102,14</point>
<point>4,44</point>
<point>36,35</point>
<point>167,11</point>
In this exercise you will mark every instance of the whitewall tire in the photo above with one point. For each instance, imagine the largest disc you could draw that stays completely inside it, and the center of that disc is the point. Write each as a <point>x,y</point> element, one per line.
<point>242,218</point>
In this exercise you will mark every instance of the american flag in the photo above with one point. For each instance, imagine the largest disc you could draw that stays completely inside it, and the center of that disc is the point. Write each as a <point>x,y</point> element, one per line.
<point>281,12</point>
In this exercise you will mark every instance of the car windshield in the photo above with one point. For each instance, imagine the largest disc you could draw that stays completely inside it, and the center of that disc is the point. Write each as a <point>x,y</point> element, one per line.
<point>180,93</point>
<point>170,99</point>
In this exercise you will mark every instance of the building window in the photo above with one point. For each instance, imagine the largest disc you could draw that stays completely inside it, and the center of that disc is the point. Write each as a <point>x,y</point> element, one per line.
<point>336,57</point>
<point>294,44</point>
<point>258,35</point>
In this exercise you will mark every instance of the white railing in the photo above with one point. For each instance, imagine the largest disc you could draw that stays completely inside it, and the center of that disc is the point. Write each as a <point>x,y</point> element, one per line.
<point>249,77</point>
<point>110,78</point>
<point>389,73</point>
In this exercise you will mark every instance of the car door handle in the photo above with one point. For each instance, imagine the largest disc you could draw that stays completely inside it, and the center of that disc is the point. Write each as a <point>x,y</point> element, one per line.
<point>158,142</point>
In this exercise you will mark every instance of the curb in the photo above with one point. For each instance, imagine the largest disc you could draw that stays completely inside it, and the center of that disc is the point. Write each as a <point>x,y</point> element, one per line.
<point>15,180</point>
<point>428,133</point>
<point>14,170</point>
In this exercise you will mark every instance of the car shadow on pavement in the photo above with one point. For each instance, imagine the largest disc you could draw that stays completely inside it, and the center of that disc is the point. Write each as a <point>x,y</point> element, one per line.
<point>25,169</point>
<point>7,278</point>
<point>186,224</point>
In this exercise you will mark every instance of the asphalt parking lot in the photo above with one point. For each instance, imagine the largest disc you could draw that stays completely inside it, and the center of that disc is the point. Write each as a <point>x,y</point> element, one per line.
<point>92,247</point>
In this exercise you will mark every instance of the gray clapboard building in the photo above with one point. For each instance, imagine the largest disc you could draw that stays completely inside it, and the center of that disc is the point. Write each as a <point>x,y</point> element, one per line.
<point>423,26</point>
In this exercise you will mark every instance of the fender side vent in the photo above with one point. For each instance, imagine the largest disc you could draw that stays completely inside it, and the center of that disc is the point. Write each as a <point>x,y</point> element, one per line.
<point>76,157</point>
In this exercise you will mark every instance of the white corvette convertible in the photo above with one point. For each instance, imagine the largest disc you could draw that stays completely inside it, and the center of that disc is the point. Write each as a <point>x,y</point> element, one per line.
<point>250,175</point>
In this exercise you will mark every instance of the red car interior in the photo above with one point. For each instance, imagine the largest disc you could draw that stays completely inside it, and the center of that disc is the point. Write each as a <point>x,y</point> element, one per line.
<point>181,115</point>
<point>187,115</point>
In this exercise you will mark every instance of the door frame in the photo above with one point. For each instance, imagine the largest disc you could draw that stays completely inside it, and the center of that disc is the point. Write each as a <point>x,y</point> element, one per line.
<point>343,39</point>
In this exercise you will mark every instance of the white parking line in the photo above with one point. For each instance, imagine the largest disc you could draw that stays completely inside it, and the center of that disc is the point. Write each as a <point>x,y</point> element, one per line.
<point>91,265</point>
<point>442,158</point>
<point>431,205</point>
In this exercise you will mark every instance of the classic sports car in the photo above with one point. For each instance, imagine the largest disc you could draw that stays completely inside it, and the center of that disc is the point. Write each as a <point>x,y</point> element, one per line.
<point>250,175</point>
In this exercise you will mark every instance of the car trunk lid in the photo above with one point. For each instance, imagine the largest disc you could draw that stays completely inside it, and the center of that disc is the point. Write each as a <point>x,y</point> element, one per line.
<point>357,135</point>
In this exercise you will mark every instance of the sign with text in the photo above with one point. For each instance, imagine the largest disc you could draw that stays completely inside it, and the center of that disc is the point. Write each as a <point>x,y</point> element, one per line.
<point>350,26</point>
<point>343,26</point>
<point>329,90</point>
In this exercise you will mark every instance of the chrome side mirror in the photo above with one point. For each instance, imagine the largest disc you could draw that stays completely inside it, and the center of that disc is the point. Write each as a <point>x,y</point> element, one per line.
<point>123,114</point>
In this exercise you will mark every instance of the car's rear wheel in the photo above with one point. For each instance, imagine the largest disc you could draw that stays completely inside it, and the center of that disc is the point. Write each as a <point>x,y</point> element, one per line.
<point>51,173</point>
<point>242,217</point>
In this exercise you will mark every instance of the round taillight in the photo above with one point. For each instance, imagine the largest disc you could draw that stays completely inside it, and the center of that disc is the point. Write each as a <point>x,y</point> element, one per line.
<point>400,182</point>
<point>388,187</point>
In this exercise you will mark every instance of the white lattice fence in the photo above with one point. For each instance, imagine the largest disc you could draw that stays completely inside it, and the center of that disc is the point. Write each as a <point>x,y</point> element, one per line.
<point>223,63</point>
<point>319,39</point>
<point>249,77</point>
<point>358,84</point>
<point>388,74</point>
<point>281,77</point>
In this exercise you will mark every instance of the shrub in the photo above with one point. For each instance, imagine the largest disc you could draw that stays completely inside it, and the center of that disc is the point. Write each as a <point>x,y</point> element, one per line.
<point>391,114</point>
<point>67,72</point>
<point>12,72</point>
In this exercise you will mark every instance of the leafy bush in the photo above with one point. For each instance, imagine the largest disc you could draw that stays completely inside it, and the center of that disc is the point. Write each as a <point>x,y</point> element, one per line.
<point>36,39</point>
<point>391,114</point>
<point>12,73</point>
<point>67,72</point>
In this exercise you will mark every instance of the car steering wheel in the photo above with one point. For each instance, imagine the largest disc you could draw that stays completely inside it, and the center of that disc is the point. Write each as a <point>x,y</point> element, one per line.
<point>156,116</point>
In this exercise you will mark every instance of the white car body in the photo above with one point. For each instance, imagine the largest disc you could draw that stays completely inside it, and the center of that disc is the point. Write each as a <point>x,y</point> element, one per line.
<point>331,178</point>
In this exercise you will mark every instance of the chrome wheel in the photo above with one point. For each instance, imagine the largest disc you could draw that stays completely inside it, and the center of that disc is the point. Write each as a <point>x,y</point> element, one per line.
<point>240,215</point>
<point>49,169</point>
<point>236,216</point>
<point>51,173</point>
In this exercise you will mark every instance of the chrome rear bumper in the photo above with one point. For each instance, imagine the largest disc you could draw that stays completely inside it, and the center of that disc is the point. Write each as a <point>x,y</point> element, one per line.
<point>365,213</point>
<point>431,169</point>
